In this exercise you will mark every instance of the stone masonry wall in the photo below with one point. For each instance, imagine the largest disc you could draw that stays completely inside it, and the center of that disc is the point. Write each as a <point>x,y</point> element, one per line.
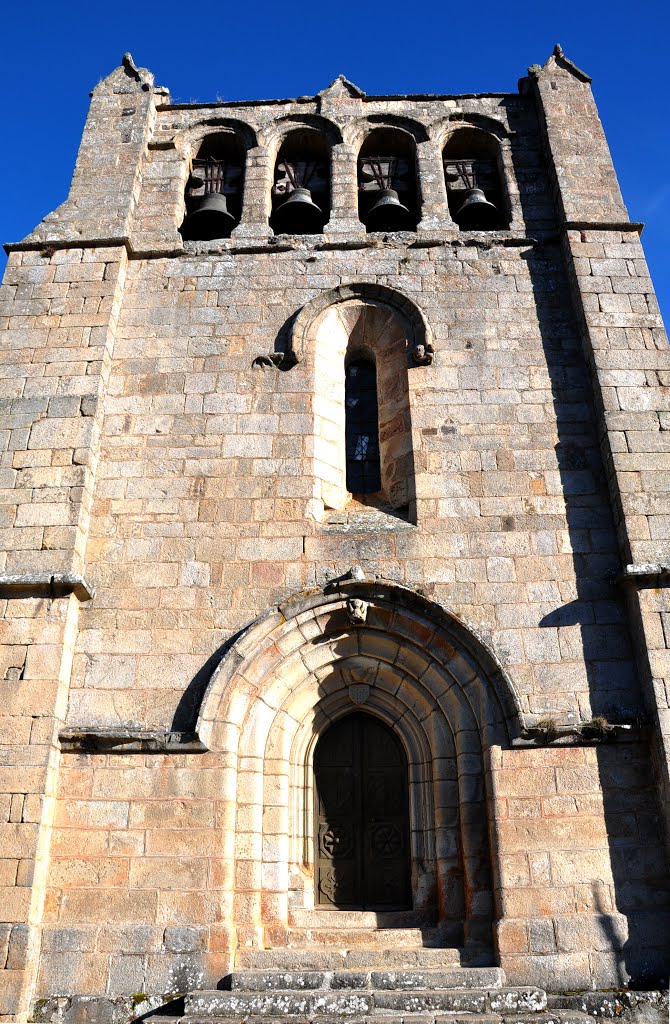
<point>582,857</point>
<point>202,506</point>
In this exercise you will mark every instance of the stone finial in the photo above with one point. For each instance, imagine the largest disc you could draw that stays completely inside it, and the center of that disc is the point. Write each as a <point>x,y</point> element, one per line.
<point>126,78</point>
<point>559,58</point>
<point>128,65</point>
<point>341,86</point>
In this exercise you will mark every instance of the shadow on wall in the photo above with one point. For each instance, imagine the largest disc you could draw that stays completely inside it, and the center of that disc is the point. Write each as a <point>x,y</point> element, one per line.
<point>185,717</point>
<point>591,630</point>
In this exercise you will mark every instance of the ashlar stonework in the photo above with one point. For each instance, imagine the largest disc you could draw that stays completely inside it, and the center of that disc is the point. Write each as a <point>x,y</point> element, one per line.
<point>193,596</point>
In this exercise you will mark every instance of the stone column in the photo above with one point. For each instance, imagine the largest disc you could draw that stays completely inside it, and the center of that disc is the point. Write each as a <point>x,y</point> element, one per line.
<point>344,222</point>
<point>257,201</point>
<point>435,216</point>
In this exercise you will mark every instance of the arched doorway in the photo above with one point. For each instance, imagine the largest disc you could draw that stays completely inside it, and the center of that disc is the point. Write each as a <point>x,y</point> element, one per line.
<point>304,665</point>
<point>362,817</point>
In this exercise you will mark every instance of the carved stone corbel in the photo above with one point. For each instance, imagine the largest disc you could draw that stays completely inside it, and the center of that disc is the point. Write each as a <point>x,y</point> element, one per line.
<point>271,360</point>
<point>357,610</point>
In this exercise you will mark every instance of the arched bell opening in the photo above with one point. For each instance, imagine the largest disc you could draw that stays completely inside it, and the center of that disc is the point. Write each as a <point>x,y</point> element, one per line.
<point>214,190</point>
<point>473,172</point>
<point>301,189</point>
<point>387,181</point>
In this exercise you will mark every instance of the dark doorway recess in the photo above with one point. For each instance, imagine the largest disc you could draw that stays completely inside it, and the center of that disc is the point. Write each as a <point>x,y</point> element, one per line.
<point>362,817</point>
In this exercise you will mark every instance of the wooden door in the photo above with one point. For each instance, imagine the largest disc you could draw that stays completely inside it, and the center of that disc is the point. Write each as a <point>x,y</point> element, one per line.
<point>362,841</point>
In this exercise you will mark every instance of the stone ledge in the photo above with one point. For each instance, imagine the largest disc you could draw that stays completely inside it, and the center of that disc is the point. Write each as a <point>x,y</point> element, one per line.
<point>605,225</point>
<point>44,584</point>
<point>291,243</point>
<point>365,98</point>
<point>645,574</point>
<point>47,244</point>
<point>585,735</point>
<point>129,741</point>
<point>610,1004</point>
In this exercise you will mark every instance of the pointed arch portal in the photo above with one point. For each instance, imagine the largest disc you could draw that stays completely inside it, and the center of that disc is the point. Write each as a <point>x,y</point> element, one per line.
<point>371,648</point>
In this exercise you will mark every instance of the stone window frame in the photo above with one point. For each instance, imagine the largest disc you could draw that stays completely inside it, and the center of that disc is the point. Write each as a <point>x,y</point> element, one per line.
<point>327,335</point>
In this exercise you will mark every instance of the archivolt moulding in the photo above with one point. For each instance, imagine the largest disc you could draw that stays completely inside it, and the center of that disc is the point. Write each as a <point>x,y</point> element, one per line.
<point>441,129</point>
<point>273,135</point>
<point>190,138</point>
<point>299,329</point>
<point>469,667</point>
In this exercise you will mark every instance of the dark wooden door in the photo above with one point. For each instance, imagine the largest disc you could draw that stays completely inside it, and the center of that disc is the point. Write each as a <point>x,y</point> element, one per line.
<point>362,858</point>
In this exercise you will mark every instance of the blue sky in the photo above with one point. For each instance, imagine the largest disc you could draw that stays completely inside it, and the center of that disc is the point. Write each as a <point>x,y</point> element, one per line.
<point>54,53</point>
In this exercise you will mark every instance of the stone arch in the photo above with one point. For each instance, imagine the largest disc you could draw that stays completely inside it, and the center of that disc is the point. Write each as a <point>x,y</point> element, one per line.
<point>442,127</point>
<point>488,141</point>
<point>382,326</point>
<point>358,128</point>
<point>366,332</point>
<point>272,136</point>
<point>288,677</point>
<point>189,139</point>
<point>300,330</point>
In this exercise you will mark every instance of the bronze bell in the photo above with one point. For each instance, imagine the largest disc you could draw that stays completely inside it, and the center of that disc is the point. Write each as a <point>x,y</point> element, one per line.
<point>476,213</point>
<point>210,219</point>
<point>298,215</point>
<point>389,214</point>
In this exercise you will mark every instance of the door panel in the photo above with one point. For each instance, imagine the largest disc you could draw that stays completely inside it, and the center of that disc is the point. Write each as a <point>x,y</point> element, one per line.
<point>362,813</point>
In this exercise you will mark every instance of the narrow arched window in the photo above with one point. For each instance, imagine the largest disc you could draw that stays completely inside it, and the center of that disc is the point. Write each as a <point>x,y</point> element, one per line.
<point>362,428</point>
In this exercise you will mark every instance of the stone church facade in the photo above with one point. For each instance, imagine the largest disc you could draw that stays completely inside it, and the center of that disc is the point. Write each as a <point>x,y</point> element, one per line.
<point>335,461</point>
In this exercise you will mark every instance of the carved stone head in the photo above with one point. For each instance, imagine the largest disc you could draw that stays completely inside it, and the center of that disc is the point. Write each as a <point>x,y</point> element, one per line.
<point>357,610</point>
<point>422,355</point>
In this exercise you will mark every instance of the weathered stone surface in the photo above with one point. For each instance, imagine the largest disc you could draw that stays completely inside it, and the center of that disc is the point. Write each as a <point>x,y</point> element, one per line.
<point>458,977</point>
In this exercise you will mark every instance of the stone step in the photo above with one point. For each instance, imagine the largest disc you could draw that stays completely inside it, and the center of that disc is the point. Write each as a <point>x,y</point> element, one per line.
<point>384,1017</point>
<point>361,1003</point>
<point>405,980</point>
<point>374,938</point>
<point>325,918</point>
<point>341,958</point>
<point>651,1005</point>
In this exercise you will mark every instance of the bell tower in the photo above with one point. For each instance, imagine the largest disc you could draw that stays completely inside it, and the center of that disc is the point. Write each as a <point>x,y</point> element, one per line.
<point>334,659</point>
